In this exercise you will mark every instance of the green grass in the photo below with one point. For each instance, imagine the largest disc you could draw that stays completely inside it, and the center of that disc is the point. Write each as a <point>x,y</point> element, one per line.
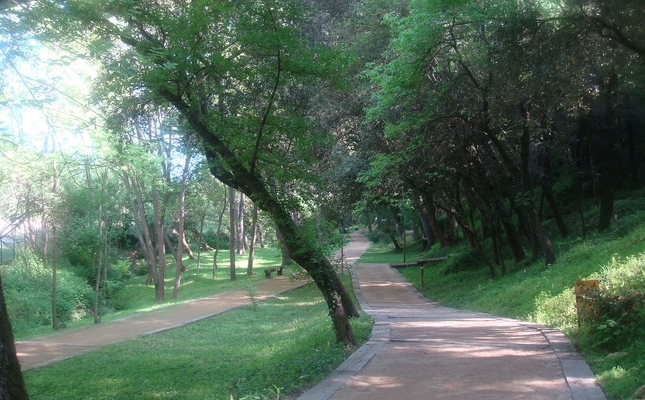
<point>284,343</point>
<point>544,294</point>
<point>136,297</point>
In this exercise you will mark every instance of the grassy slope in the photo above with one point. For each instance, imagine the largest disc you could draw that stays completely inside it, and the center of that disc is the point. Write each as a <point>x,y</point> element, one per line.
<point>284,344</point>
<point>545,293</point>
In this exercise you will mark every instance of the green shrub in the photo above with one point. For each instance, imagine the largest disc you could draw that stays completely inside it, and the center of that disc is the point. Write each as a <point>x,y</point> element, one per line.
<point>558,310</point>
<point>28,288</point>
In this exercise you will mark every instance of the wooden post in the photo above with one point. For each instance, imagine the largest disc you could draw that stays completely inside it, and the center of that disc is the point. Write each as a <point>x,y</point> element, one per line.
<point>422,277</point>
<point>587,293</point>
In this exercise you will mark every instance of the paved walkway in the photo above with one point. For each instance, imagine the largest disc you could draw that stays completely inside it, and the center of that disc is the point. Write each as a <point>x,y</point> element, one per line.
<point>421,350</point>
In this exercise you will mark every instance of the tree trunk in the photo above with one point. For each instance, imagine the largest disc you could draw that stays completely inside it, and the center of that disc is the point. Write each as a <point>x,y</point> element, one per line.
<point>181,233</point>
<point>143,232</point>
<point>547,186</point>
<point>54,279</point>
<point>12,384</point>
<point>219,232</point>
<point>199,240</point>
<point>307,255</point>
<point>254,231</point>
<point>231,217</point>
<point>424,218</point>
<point>239,219</point>
<point>161,243</point>
<point>284,250</point>
<point>608,156</point>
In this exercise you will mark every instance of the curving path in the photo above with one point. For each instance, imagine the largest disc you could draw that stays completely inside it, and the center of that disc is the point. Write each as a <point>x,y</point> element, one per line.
<point>421,350</point>
<point>45,350</point>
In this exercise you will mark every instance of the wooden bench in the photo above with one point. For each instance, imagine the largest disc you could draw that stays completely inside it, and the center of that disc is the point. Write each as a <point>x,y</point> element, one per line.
<point>268,271</point>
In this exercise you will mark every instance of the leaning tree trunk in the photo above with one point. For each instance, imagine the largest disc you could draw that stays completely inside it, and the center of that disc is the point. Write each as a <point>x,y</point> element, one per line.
<point>249,181</point>
<point>12,384</point>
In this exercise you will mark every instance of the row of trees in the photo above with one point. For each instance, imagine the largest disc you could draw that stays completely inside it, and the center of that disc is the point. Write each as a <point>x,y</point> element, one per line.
<point>497,114</point>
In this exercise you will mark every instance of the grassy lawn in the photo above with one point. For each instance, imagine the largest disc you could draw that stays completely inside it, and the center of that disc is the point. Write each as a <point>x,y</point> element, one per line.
<point>544,294</point>
<point>282,344</point>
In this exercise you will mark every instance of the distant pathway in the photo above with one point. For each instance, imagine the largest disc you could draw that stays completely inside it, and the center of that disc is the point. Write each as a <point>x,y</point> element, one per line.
<point>421,350</point>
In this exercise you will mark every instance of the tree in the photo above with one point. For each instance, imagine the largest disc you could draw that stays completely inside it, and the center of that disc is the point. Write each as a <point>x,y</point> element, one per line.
<point>12,384</point>
<point>239,75</point>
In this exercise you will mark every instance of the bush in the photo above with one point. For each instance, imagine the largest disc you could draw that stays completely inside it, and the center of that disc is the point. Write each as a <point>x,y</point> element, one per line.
<point>620,319</point>
<point>559,310</point>
<point>467,260</point>
<point>210,237</point>
<point>376,236</point>
<point>28,288</point>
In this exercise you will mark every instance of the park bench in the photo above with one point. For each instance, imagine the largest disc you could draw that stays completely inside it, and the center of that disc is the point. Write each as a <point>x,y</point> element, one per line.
<point>268,271</point>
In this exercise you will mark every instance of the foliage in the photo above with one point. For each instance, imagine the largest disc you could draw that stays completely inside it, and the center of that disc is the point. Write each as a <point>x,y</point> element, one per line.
<point>239,354</point>
<point>28,285</point>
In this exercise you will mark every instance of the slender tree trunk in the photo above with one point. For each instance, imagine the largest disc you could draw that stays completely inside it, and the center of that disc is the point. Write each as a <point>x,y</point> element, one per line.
<point>144,234</point>
<point>181,233</point>
<point>54,278</point>
<point>199,240</point>
<point>424,218</point>
<point>219,232</point>
<point>254,231</point>
<point>608,157</point>
<point>239,219</point>
<point>12,384</point>
<point>231,206</point>
<point>161,243</point>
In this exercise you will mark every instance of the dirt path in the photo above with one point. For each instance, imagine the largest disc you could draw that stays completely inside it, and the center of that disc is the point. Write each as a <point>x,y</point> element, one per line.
<point>45,350</point>
<point>421,350</point>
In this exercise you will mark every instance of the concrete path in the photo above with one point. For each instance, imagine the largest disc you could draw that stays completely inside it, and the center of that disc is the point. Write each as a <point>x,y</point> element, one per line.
<point>421,350</point>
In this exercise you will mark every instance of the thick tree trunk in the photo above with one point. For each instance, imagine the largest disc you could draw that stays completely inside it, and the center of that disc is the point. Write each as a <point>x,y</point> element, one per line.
<point>12,384</point>
<point>284,250</point>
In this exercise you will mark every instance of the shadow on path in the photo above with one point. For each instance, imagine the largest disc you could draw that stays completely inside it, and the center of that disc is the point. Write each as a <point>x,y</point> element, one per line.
<point>422,350</point>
